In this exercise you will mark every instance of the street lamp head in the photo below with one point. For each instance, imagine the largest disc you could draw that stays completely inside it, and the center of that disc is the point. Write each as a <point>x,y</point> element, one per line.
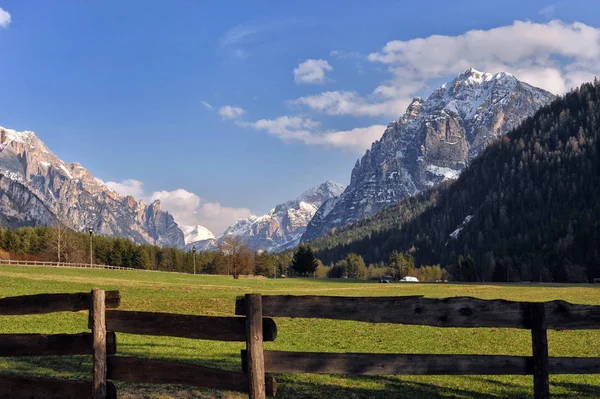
<point>91,230</point>
<point>194,249</point>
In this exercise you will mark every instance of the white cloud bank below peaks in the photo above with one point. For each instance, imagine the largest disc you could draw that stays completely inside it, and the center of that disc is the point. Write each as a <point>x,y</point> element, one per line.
<point>187,208</point>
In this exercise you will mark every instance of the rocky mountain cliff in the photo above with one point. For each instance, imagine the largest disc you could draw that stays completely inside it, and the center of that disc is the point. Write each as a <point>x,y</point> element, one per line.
<point>283,226</point>
<point>37,188</point>
<point>432,142</point>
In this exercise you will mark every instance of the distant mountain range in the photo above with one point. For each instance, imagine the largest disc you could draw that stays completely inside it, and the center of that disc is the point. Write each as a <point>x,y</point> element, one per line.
<point>279,229</point>
<point>432,142</point>
<point>37,188</point>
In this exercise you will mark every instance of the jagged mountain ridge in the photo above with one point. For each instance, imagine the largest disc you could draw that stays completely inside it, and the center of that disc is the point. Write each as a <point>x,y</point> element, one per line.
<point>525,209</point>
<point>432,142</point>
<point>38,188</point>
<point>283,226</point>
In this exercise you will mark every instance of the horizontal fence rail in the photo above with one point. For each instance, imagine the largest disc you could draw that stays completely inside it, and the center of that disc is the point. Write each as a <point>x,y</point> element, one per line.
<point>449,312</point>
<point>417,364</point>
<point>49,303</point>
<point>17,387</point>
<point>78,266</point>
<point>185,326</point>
<point>137,370</point>
<point>52,345</point>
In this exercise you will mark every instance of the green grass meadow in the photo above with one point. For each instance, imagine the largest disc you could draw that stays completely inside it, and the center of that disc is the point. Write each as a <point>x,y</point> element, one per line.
<point>215,295</point>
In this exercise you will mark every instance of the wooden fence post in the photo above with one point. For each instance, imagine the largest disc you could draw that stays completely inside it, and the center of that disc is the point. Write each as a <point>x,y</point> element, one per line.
<point>254,347</point>
<point>98,310</point>
<point>539,342</point>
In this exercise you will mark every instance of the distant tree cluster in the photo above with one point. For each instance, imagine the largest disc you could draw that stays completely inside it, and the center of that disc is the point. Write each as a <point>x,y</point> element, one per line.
<point>59,243</point>
<point>533,197</point>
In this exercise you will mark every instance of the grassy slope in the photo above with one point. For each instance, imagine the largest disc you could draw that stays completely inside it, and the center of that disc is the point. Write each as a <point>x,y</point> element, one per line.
<point>215,295</point>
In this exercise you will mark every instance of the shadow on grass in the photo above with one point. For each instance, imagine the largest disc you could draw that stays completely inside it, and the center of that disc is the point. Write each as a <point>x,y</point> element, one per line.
<point>64,367</point>
<point>577,390</point>
<point>385,388</point>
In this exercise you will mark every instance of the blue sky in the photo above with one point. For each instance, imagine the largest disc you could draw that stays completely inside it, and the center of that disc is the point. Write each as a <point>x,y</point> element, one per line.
<point>224,108</point>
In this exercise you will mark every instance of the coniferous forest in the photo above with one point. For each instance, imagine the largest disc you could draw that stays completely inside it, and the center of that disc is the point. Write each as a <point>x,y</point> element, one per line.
<point>526,209</point>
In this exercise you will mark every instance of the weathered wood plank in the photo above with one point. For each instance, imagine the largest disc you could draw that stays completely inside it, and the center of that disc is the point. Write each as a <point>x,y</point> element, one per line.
<point>99,344</point>
<point>393,364</point>
<point>150,371</point>
<point>17,387</point>
<point>185,326</point>
<point>574,365</point>
<point>48,303</point>
<point>417,364</point>
<point>449,312</point>
<point>254,347</point>
<point>52,345</point>
<point>539,343</point>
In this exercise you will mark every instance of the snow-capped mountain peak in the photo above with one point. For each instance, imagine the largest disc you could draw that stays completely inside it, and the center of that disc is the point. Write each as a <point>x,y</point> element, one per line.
<point>283,226</point>
<point>433,141</point>
<point>39,187</point>
<point>192,234</point>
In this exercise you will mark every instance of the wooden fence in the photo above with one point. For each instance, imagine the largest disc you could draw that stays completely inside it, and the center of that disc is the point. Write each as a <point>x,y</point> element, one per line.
<point>254,329</point>
<point>101,343</point>
<point>416,310</point>
<point>98,343</point>
<point>74,265</point>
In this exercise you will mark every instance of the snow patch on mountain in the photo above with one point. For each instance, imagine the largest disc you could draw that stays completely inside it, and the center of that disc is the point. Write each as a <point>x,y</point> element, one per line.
<point>456,232</point>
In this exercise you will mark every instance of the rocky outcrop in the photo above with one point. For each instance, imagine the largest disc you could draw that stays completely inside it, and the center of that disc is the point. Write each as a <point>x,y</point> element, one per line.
<point>432,142</point>
<point>38,187</point>
<point>283,226</point>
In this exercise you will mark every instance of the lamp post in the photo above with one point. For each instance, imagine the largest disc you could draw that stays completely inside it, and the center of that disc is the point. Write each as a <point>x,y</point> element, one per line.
<point>91,231</point>
<point>194,255</point>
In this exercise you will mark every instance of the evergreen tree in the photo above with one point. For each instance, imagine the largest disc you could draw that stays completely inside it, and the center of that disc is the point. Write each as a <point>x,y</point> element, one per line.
<point>304,262</point>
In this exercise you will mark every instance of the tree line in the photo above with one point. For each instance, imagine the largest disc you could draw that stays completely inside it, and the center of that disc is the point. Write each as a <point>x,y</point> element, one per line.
<point>58,243</point>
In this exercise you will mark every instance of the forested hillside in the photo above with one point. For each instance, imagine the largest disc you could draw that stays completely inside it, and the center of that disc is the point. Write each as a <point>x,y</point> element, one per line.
<point>527,208</point>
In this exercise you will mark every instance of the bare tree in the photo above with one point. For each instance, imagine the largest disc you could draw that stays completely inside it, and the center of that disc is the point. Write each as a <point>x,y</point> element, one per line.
<point>61,241</point>
<point>237,256</point>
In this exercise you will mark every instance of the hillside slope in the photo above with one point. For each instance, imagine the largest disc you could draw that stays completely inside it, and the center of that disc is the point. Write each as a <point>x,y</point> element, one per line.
<point>527,208</point>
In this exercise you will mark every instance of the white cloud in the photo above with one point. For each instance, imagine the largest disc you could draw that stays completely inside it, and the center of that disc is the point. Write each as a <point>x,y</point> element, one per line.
<point>555,56</point>
<point>4,18</point>
<point>298,128</point>
<point>562,52</point>
<point>351,103</point>
<point>230,112</point>
<point>207,105</point>
<point>127,187</point>
<point>188,209</point>
<point>311,71</point>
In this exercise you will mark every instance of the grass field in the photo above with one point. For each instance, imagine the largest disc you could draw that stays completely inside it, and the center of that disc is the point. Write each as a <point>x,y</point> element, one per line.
<point>215,295</point>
